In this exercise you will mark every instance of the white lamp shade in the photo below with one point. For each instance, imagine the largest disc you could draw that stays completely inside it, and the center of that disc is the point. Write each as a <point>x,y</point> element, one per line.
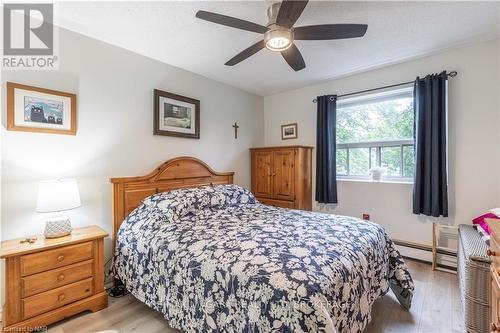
<point>57,195</point>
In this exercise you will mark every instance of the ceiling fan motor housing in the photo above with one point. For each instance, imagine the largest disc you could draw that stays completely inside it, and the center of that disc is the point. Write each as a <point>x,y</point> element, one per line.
<point>277,38</point>
<point>272,13</point>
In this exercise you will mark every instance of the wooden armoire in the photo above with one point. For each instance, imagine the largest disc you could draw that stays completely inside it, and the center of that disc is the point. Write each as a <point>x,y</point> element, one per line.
<point>282,176</point>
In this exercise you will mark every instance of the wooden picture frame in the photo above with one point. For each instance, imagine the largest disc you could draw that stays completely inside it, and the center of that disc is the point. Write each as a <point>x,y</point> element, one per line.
<point>289,131</point>
<point>60,118</point>
<point>176,115</point>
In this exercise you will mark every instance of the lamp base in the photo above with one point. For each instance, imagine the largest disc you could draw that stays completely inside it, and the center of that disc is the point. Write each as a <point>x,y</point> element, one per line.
<point>57,226</point>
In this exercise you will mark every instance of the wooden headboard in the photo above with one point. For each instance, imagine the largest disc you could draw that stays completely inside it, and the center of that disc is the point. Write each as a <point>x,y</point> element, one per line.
<point>180,172</point>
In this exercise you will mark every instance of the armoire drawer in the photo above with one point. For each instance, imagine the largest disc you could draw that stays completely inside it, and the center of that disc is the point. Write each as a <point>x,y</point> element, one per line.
<point>277,203</point>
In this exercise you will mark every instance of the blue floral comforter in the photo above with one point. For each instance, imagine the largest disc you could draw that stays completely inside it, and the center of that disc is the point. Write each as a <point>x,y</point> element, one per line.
<point>213,259</point>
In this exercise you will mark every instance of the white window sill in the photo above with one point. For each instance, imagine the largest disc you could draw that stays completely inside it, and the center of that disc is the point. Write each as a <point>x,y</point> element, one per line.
<point>368,180</point>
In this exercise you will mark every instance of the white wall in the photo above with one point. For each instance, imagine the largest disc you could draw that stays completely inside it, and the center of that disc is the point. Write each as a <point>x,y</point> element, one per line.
<point>115,135</point>
<point>474,143</point>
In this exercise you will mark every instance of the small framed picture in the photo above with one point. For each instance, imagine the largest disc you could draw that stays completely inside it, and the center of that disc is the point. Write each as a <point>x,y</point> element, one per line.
<point>34,109</point>
<point>176,115</point>
<point>289,131</point>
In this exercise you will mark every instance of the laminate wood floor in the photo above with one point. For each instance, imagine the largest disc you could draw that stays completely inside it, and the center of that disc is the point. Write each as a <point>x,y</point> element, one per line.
<point>436,309</point>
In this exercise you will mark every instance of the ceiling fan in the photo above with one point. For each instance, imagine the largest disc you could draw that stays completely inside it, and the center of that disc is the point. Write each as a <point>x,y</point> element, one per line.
<point>279,32</point>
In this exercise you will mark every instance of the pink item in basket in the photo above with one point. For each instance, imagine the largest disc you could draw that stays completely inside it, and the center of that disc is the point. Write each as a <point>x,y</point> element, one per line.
<point>481,220</point>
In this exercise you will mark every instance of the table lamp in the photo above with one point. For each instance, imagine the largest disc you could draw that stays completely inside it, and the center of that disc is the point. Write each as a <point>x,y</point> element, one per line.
<point>57,196</point>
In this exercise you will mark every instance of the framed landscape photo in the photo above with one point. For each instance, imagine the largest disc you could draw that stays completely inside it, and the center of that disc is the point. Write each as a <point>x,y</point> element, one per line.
<point>34,109</point>
<point>176,115</point>
<point>289,131</point>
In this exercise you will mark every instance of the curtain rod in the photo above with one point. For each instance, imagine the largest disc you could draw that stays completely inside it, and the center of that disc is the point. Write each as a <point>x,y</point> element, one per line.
<point>450,74</point>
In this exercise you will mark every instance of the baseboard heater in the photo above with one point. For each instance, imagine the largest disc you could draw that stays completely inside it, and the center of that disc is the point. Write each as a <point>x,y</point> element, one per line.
<point>446,259</point>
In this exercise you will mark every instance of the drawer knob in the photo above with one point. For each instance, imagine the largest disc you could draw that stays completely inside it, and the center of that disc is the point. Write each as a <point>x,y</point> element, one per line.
<point>61,277</point>
<point>491,254</point>
<point>60,258</point>
<point>61,297</point>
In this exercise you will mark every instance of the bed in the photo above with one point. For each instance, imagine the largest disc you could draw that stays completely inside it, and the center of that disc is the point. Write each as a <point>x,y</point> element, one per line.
<point>211,258</point>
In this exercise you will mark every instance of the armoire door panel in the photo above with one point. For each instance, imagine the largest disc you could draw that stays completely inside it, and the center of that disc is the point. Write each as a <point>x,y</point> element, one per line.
<point>263,186</point>
<point>283,174</point>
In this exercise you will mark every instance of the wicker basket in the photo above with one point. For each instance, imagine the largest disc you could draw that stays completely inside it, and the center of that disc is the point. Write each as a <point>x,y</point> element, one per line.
<point>474,279</point>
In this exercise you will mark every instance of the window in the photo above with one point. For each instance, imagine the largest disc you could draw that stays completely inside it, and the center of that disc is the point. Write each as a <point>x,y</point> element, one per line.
<point>376,129</point>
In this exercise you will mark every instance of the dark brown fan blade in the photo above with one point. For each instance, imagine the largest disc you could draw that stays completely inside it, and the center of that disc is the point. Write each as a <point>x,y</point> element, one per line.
<point>294,58</point>
<point>246,53</point>
<point>289,12</point>
<point>231,21</point>
<point>329,31</point>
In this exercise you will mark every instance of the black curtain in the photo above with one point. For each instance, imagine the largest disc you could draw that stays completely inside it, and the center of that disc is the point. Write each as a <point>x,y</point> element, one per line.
<point>430,189</point>
<point>326,174</point>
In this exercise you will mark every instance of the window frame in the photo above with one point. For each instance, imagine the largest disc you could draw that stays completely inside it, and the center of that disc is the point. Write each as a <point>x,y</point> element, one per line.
<point>377,145</point>
<point>384,94</point>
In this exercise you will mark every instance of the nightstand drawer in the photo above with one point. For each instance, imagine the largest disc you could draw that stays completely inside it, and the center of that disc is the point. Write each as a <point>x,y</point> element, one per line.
<point>41,282</point>
<point>50,259</point>
<point>55,298</point>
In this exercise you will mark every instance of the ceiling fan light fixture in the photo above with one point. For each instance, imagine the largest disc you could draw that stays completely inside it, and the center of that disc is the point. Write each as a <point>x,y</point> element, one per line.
<point>278,39</point>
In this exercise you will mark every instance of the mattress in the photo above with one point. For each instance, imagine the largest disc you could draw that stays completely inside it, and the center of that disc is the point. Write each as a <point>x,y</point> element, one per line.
<point>213,259</point>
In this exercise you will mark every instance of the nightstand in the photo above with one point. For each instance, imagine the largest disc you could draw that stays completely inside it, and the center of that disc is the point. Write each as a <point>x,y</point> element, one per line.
<point>51,279</point>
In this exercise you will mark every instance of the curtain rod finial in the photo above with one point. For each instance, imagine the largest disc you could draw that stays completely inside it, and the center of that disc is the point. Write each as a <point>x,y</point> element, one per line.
<point>453,74</point>
<point>331,99</point>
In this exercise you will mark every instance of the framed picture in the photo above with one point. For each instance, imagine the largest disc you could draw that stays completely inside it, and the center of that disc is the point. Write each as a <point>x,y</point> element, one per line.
<point>176,115</point>
<point>34,109</point>
<point>289,131</point>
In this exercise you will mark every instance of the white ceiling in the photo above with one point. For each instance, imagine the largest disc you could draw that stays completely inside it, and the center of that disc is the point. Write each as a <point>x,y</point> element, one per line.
<point>169,32</point>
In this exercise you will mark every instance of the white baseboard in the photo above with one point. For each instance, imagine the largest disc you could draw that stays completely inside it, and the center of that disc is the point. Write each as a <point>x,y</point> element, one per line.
<point>418,254</point>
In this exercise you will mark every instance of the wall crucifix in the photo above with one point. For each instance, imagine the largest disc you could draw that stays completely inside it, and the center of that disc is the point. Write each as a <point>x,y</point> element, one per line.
<point>236,130</point>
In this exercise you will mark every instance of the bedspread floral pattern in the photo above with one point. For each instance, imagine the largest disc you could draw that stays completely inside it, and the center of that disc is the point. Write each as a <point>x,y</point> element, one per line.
<point>239,266</point>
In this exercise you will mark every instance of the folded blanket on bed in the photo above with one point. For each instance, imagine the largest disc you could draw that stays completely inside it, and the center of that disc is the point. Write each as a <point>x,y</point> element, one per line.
<point>214,260</point>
